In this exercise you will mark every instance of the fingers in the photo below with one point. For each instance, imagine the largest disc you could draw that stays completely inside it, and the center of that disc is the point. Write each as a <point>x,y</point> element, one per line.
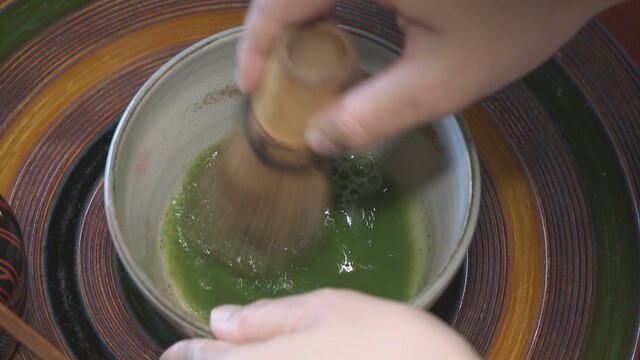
<point>266,319</point>
<point>265,20</point>
<point>429,81</point>
<point>196,349</point>
<point>396,100</point>
<point>315,325</point>
<point>259,321</point>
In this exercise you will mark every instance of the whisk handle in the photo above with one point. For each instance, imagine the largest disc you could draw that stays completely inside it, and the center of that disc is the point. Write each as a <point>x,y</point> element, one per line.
<point>310,66</point>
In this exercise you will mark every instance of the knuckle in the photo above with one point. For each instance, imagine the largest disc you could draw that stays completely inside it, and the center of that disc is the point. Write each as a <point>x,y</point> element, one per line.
<point>259,304</point>
<point>328,296</point>
<point>351,131</point>
<point>243,319</point>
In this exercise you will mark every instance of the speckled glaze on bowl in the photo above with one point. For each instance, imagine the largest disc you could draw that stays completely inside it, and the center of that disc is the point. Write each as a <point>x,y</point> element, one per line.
<point>191,103</point>
<point>12,272</point>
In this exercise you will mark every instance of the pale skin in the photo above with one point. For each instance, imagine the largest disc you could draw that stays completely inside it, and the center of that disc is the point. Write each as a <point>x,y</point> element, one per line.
<point>455,53</point>
<point>324,324</point>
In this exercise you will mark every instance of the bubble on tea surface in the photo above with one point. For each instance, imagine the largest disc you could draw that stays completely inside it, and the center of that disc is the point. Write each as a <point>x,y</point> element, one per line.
<point>355,176</point>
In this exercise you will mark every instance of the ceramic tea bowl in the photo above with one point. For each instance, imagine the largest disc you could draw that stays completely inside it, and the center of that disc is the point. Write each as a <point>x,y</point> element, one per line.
<point>192,102</point>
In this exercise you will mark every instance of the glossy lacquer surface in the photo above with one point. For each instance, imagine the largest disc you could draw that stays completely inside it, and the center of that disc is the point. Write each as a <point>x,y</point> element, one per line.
<point>12,272</point>
<point>553,270</point>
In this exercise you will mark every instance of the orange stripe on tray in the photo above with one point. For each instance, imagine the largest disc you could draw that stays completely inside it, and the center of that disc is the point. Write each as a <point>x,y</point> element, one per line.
<point>72,83</point>
<point>5,3</point>
<point>526,267</point>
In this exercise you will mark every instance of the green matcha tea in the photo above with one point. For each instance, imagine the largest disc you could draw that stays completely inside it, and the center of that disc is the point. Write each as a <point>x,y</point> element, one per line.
<point>369,242</point>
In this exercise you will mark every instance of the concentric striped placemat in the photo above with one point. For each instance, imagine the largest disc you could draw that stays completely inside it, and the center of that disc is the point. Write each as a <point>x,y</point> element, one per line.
<point>554,269</point>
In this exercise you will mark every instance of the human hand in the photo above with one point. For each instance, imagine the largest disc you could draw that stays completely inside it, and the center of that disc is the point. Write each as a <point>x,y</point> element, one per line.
<point>324,324</point>
<point>456,52</point>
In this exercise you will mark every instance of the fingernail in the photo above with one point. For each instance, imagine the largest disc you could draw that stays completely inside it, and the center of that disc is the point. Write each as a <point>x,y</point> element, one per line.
<point>320,143</point>
<point>221,314</point>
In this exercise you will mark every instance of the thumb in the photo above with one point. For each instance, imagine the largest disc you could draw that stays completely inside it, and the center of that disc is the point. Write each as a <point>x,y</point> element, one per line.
<point>402,97</point>
<point>259,321</point>
<point>196,349</point>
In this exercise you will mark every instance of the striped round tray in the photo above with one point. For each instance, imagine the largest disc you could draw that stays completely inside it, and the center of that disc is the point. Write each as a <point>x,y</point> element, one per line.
<point>554,268</point>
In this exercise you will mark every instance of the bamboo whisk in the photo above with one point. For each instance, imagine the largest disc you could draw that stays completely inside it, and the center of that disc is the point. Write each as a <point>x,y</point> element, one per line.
<point>269,191</point>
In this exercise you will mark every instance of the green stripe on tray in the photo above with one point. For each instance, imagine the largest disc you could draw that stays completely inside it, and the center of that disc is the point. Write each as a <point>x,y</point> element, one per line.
<point>24,19</point>
<point>614,227</point>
